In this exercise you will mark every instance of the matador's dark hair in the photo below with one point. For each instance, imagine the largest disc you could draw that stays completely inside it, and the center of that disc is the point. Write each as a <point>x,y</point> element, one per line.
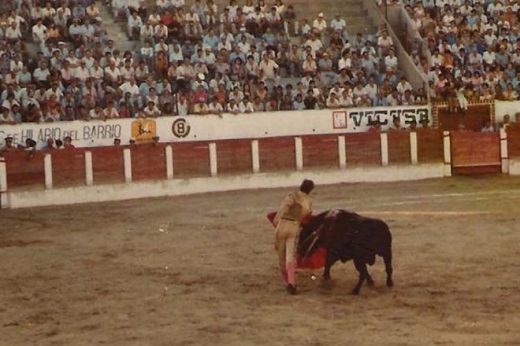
<point>307,186</point>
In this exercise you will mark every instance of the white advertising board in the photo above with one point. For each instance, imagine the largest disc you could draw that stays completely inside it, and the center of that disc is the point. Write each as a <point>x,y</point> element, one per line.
<point>213,127</point>
<point>506,107</point>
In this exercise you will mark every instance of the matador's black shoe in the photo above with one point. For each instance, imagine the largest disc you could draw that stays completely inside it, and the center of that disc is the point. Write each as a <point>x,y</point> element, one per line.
<point>292,290</point>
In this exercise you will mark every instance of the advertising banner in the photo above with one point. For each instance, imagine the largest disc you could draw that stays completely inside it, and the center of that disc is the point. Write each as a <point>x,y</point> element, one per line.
<point>215,127</point>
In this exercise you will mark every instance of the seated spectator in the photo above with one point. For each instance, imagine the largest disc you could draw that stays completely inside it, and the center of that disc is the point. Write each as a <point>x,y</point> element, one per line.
<point>310,101</point>
<point>151,110</point>
<point>134,25</point>
<point>245,106</point>
<point>268,70</point>
<point>9,145</point>
<point>232,107</point>
<point>319,25</point>
<point>215,107</point>
<point>332,101</point>
<point>325,69</point>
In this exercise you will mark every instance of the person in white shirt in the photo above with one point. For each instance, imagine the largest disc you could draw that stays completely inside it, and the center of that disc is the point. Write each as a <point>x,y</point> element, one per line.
<point>163,5</point>
<point>393,98</point>
<point>97,73</point>
<point>15,64</point>
<point>268,70</point>
<point>345,62</point>
<point>81,72</point>
<point>384,43</point>
<point>193,26</point>
<point>127,71</point>
<point>134,25</point>
<point>314,42</point>
<point>182,105</point>
<point>88,59</point>
<point>13,35</point>
<point>391,61</point>
<point>436,59</point>
<point>403,85</point>
<point>488,127</point>
<point>243,45</point>
<point>178,3</point>
<point>338,25</point>
<point>110,112</point>
<point>147,33</point>
<point>151,110</point>
<point>41,74</point>
<point>371,89</point>
<point>215,108</point>
<point>131,87</point>
<point>319,25</point>
<point>113,74</point>
<point>175,53</point>
<point>345,100</point>
<point>332,101</point>
<point>96,113</point>
<point>226,21</point>
<point>39,32</point>
<point>489,56</point>
<point>232,107</point>
<point>246,106</point>
<point>48,11</point>
<point>160,32</point>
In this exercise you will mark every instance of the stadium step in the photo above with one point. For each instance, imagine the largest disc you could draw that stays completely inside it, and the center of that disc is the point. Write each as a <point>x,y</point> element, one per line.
<point>117,32</point>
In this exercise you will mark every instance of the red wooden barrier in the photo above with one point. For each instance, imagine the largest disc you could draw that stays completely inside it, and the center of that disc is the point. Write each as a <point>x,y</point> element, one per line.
<point>277,154</point>
<point>148,162</point>
<point>234,156</point>
<point>473,119</point>
<point>399,147</point>
<point>68,167</point>
<point>108,165</point>
<point>475,152</point>
<point>24,169</point>
<point>430,146</point>
<point>320,151</point>
<point>513,143</point>
<point>191,159</point>
<point>363,148</point>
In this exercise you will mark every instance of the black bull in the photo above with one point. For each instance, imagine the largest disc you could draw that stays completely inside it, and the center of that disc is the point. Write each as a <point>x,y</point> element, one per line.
<point>348,236</point>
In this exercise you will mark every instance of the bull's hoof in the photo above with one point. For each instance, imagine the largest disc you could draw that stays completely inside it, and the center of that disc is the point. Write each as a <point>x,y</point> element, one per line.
<point>389,283</point>
<point>370,282</point>
<point>292,290</point>
<point>326,284</point>
<point>355,291</point>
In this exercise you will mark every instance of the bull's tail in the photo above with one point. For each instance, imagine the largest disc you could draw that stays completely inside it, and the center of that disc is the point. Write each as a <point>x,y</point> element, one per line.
<point>387,257</point>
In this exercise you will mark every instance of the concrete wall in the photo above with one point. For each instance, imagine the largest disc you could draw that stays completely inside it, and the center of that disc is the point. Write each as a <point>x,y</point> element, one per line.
<point>177,187</point>
<point>147,170</point>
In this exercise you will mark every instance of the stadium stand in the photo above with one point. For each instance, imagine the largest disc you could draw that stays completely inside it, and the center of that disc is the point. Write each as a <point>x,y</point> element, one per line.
<point>66,60</point>
<point>474,49</point>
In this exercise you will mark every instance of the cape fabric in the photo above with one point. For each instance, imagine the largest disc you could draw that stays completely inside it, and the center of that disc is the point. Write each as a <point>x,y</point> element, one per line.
<point>315,261</point>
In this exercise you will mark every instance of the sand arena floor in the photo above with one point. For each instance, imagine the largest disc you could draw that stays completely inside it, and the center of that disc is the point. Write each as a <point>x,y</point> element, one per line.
<point>200,270</point>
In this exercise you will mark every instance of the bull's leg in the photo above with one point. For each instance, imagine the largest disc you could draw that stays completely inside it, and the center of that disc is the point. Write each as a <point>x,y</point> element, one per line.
<point>389,270</point>
<point>370,281</point>
<point>363,273</point>
<point>370,260</point>
<point>329,261</point>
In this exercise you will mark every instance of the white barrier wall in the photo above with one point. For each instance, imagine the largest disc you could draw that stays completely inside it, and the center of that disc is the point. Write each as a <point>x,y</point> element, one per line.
<point>213,127</point>
<point>176,187</point>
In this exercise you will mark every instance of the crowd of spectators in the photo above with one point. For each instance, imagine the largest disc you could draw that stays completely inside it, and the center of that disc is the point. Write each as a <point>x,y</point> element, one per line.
<point>195,59</point>
<point>474,46</point>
